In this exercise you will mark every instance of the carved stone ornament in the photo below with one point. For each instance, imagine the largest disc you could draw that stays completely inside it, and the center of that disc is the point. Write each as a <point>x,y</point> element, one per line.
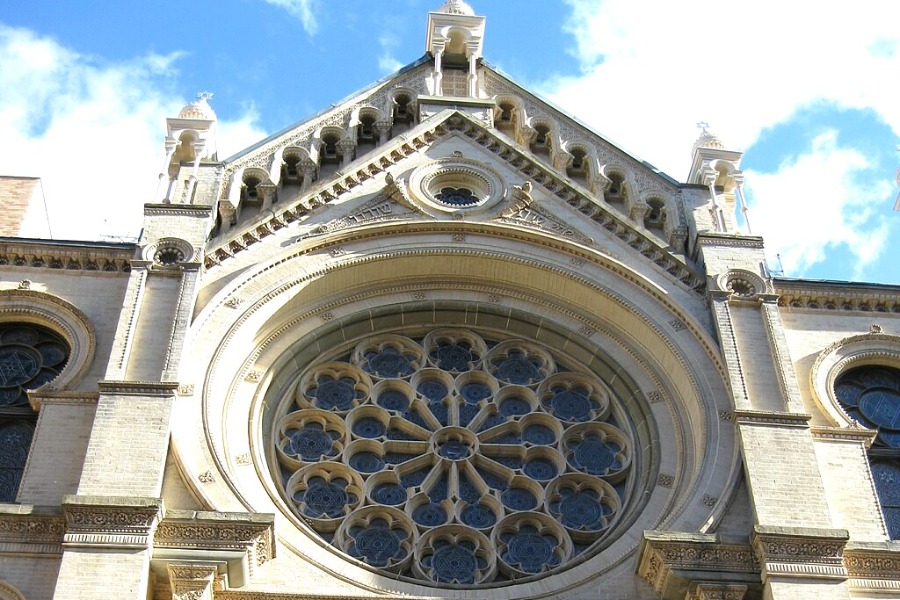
<point>110,521</point>
<point>667,559</point>
<point>169,252</point>
<point>799,552</point>
<point>216,531</point>
<point>717,591</point>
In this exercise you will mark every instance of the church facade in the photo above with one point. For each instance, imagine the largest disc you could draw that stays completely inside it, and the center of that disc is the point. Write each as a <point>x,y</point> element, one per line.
<point>441,341</point>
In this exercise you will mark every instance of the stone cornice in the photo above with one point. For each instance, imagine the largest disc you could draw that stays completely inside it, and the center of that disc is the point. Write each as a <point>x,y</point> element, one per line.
<point>110,521</point>
<point>27,529</point>
<point>845,434</point>
<point>41,398</point>
<point>800,552</point>
<point>251,534</point>
<point>69,256</point>
<point>774,419</point>
<point>730,241</point>
<point>178,210</point>
<point>873,566</point>
<point>847,297</point>
<point>165,389</point>
<point>668,560</point>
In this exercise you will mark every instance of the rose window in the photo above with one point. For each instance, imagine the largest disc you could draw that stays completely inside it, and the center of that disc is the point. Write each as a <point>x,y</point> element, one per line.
<point>30,356</point>
<point>453,458</point>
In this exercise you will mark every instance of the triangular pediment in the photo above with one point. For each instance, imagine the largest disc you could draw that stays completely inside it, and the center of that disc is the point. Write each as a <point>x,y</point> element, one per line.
<point>376,188</point>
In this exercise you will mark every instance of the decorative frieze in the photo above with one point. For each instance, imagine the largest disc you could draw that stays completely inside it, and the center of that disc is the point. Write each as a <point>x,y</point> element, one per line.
<point>836,297</point>
<point>84,256</point>
<point>214,531</point>
<point>110,521</point>
<point>775,419</point>
<point>162,389</point>
<point>716,591</point>
<point>801,552</point>
<point>873,566</point>
<point>32,530</point>
<point>669,558</point>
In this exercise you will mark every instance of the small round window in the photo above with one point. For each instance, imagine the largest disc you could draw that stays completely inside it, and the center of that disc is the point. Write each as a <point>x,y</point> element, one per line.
<point>30,356</point>
<point>456,183</point>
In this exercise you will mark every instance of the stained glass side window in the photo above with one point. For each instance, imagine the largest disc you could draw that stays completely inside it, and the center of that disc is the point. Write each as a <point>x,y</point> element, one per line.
<point>30,356</point>
<point>870,396</point>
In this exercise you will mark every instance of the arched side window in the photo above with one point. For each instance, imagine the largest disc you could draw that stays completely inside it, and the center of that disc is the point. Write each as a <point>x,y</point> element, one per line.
<point>870,395</point>
<point>30,356</point>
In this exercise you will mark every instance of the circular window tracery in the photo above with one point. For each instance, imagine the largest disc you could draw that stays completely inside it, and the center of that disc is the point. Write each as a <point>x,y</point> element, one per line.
<point>452,458</point>
<point>870,395</point>
<point>30,356</point>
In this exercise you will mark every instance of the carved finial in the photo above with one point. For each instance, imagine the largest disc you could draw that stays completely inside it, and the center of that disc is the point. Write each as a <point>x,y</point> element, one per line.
<point>875,328</point>
<point>25,284</point>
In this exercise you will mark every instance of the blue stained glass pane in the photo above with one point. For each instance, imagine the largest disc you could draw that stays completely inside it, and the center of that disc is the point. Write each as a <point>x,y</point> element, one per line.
<point>892,519</point>
<point>325,499</point>
<point>389,363</point>
<point>396,434</point>
<point>518,499</point>
<point>334,394</point>
<point>572,405</point>
<point>393,400</point>
<point>390,494</point>
<point>582,510</point>
<point>467,490</point>
<point>395,458</point>
<point>432,389</point>
<point>886,475</point>
<point>513,462</point>
<point>539,434</point>
<point>454,563</point>
<point>467,412</point>
<point>492,480</point>
<point>368,427</point>
<point>377,545</point>
<point>440,490</point>
<point>413,416</point>
<point>875,377</point>
<point>454,450</point>
<point>848,393</point>
<point>531,552</point>
<point>475,392</point>
<point>492,421</point>
<point>440,412</point>
<point>518,369</point>
<point>478,516</point>
<point>595,456</point>
<point>453,357</point>
<point>367,462</point>
<point>311,443</point>
<point>513,406</point>
<point>415,478</point>
<point>541,469</point>
<point>430,515</point>
<point>882,407</point>
<point>18,365</point>
<point>456,196</point>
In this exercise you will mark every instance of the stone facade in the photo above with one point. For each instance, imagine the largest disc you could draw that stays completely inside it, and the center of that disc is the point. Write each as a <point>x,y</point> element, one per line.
<point>221,427</point>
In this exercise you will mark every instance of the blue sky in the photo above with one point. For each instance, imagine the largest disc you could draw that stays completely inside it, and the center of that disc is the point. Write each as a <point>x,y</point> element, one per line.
<point>809,92</point>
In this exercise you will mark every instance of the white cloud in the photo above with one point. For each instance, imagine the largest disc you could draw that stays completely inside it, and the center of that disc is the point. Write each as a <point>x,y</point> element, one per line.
<point>816,202</point>
<point>303,10</point>
<point>387,62</point>
<point>93,132</point>
<point>651,69</point>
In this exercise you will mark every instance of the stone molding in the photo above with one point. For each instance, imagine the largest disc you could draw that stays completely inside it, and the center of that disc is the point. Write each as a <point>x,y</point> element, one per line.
<point>666,558</point>
<point>214,531</point>
<point>850,297</point>
<point>99,258</point>
<point>845,434</point>
<point>28,529</point>
<point>716,591</point>
<point>165,389</point>
<point>110,521</point>
<point>771,419</point>
<point>800,552</point>
<point>201,211</point>
<point>40,398</point>
<point>192,581</point>
<point>873,566</point>
<point>729,241</point>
